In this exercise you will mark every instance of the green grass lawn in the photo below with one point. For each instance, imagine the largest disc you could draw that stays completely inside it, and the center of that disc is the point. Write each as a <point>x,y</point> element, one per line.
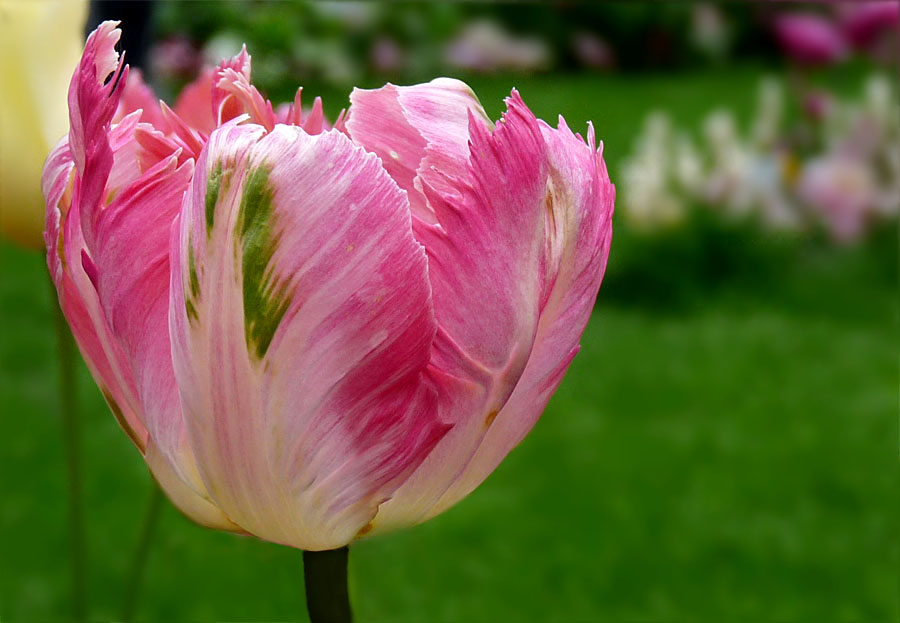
<point>732,460</point>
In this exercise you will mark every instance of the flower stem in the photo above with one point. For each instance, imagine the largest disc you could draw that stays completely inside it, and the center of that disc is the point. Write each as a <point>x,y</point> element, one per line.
<point>141,553</point>
<point>325,577</point>
<point>72,440</point>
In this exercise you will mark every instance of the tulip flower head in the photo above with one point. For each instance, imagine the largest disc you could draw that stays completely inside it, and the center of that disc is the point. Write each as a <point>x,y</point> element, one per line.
<point>314,333</point>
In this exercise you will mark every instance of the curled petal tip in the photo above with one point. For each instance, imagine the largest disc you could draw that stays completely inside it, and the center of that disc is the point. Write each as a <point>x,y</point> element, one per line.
<point>592,139</point>
<point>102,44</point>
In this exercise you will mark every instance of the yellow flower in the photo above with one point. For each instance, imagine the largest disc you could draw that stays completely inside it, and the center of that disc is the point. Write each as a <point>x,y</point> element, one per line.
<point>40,44</point>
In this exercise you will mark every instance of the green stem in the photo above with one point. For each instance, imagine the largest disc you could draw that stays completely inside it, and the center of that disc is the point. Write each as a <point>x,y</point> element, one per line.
<point>325,577</point>
<point>141,553</point>
<point>72,441</point>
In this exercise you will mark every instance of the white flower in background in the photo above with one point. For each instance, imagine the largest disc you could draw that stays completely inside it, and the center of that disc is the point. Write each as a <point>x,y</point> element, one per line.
<point>865,128</point>
<point>355,16</point>
<point>768,190</point>
<point>880,105</point>
<point>869,133</point>
<point>767,124</point>
<point>851,182</point>
<point>709,30</point>
<point>650,199</point>
<point>689,171</point>
<point>729,177</point>
<point>888,201</point>
<point>880,102</point>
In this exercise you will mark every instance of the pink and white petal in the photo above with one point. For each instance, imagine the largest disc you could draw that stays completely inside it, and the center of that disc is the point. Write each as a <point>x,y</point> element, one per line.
<point>127,154</point>
<point>78,297</point>
<point>404,124</point>
<point>195,507</point>
<point>234,95</point>
<point>579,235</point>
<point>132,265</point>
<point>297,272</point>
<point>222,110</point>
<point>486,265</point>
<point>56,185</point>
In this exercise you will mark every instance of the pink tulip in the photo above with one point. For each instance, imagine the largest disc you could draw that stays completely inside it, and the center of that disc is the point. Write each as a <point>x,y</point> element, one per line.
<point>317,334</point>
<point>809,38</point>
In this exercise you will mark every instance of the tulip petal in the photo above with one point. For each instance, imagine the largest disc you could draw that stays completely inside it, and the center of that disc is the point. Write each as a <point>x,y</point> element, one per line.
<point>403,125</point>
<point>90,149</point>
<point>196,507</point>
<point>234,95</point>
<point>297,276</point>
<point>137,95</point>
<point>78,297</point>
<point>132,263</point>
<point>515,264</point>
<point>486,266</point>
<point>108,232</point>
<point>105,162</point>
<point>194,104</point>
<point>581,198</point>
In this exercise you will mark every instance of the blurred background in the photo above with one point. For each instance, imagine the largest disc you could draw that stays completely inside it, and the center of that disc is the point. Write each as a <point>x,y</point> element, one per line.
<point>725,444</point>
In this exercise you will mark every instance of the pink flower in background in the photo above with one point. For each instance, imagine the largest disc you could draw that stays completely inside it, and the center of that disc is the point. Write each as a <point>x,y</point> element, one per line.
<point>175,57</point>
<point>841,191</point>
<point>485,46</point>
<point>864,22</point>
<point>872,27</point>
<point>809,38</point>
<point>818,104</point>
<point>316,334</point>
<point>386,55</point>
<point>593,51</point>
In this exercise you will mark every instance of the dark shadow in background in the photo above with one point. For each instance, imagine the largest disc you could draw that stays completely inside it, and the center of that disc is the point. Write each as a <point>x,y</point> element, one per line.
<point>136,37</point>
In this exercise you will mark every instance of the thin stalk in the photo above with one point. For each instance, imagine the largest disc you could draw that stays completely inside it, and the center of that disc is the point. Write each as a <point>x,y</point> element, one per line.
<point>325,577</point>
<point>141,553</point>
<point>72,441</point>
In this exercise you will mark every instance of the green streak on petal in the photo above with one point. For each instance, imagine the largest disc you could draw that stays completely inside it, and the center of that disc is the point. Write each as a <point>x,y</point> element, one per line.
<point>192,273</point>
<point>213,186</point>
<point>193,292</point>
<point>265,301</point>
<point>191,310</point>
